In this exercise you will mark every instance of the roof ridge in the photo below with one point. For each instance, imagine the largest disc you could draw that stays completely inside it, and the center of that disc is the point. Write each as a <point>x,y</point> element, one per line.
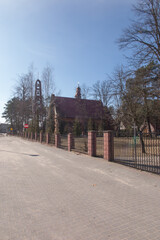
<point>81,99</point>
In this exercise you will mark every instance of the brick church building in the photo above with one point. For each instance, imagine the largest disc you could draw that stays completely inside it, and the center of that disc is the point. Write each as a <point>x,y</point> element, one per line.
<point>67,111</point>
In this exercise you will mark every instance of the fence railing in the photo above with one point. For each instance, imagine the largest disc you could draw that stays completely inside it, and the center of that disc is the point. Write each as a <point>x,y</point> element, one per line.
<point>33,136</point>
<point>43,137</point>
<point>64,142</point>
<point>123,148</point>
<point>99,145</point>
<point>38,137</point>
<point>51,139</point>
<point>140,151</point>
<point>81,144</point>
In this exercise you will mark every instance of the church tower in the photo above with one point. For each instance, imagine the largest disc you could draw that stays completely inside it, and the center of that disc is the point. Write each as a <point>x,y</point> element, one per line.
<point>78,92</point>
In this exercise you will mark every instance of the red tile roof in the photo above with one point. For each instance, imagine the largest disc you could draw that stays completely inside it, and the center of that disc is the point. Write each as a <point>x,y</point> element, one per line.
<point>79,108</point>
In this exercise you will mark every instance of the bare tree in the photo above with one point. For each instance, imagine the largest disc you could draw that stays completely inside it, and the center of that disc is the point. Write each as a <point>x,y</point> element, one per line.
<point>31,83</point>
<point>85,91</point>
<point>48,84</point>
<point>143,35</point>
<point>48,88</point>
<point>21,89</point>
<point>22,92</point>
<point>102,91</point>
<point>118,84</point>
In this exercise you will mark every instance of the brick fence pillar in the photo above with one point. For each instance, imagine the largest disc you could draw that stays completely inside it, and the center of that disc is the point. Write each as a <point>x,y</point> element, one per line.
<point>92,143</point>
<point>70,141</point>
<point>57,140</point>
<point>47,138</point>
<point>31,136</point>
<point>109,145</point>
<point>25,135</point>
<point>40,136</point>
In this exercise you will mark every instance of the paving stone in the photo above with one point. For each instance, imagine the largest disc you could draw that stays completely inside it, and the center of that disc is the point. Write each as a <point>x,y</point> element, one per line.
<point>51,194</point>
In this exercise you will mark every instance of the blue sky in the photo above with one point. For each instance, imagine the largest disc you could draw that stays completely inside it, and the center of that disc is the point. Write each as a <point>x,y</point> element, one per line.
<point>77,37</point>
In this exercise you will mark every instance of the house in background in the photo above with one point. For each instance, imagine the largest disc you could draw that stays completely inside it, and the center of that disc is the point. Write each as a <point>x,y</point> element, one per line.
<point>121,126</point>
<point>68,111</point>
<point>154,127</point>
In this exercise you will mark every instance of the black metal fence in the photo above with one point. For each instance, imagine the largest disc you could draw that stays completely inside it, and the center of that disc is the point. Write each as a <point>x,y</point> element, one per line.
<point>140,151</point>
<point>51,139</point>
<point>81,144</point>
<point>38,137</point>
<point>43,137</point>
<point>33,136</point>
<point>99,145</point>
<point>64,142</point>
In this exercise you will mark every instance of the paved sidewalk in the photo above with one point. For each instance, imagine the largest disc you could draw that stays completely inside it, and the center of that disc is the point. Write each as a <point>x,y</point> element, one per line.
<point>51,194</point>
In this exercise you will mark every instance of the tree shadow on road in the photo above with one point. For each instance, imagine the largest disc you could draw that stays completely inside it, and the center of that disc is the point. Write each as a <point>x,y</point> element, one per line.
<point>31,155</point>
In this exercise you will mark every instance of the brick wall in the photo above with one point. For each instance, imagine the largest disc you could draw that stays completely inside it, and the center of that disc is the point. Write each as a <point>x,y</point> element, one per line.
<point>108,145</point>
<point>57,140</point>
<point>92,143</point>
<point>70,141</point>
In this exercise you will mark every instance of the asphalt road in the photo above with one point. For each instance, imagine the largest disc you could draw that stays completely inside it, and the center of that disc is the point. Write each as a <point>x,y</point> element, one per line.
<point>51,194</point>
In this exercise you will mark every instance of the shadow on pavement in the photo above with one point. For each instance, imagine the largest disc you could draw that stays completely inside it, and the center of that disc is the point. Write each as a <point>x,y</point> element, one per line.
<point>31,155</point>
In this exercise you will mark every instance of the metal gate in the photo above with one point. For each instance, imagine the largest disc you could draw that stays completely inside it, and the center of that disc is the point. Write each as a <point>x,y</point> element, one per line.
<point>138,150</point>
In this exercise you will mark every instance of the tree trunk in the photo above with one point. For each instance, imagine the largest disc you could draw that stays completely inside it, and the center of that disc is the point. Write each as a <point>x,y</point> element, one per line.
<point>149,127</point>
<point>142,142</point>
